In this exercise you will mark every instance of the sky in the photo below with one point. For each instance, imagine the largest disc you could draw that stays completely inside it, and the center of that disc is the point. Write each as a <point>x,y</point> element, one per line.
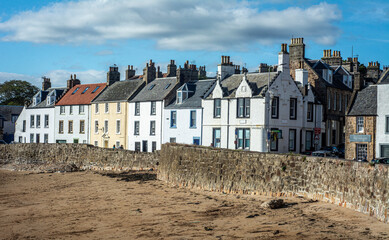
<point>55,38</point>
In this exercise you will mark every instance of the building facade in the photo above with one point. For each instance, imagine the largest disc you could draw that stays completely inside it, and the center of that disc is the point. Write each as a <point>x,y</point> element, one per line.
<point>8,116</point>
<point>382,137</point>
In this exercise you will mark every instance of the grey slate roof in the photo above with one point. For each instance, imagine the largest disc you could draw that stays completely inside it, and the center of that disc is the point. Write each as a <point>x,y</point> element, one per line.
<point>257,82</point>
<point>365,103</point>
<point>318,66</point>
<point>44,94</point>
<point>156,90</point>
<point>6,111</point>
<point>197,90</point>
<point>120,91</point>
<point>384,79</point>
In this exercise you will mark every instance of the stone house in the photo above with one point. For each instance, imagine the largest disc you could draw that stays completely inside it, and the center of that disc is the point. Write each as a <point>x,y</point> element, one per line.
<point>360,127</point>
<point>382,137</point>
<point>8,115</point>
<point>73,112</point>
<point>331,91</point>
<point>109,111</point>
<point>36,123</point>
<point>186,125</point>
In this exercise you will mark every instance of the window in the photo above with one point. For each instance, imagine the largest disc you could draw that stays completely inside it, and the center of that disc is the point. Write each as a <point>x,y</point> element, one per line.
<point>386,124</point>
<point>153,108</point>
<point>38,121</point>
<point>345,102</point>
<point>14,118</point>
<point>274,107</point>
<point>167,85</point>
<point>96,126</point>
<point>70,126</point>
<point>70,110</point>
<point>137,108</point>
<point>293,108</point>
<point>46,138</point>
<point>329,101</point>
<point>292,140</point>
<point>361,152</point>
<point>31,137</point>
<point>173,140</point>
<point>95,89</point>
<point>151,86</point>
<point>24,125</point>
<point>152,128</point>
<point>118,107</point>
<point>216,137</point>
<point>96,108</point>
<point>310,112</point>
<point>274,139</point>
<point>385,151</point>
<point>60,126</point>
<point>243,138</point>
<point>106,107</point>
<point>153,146</point>
<point>173,119</point>
<point>106,126</point>
<point>137,146</point>
<point>144,146</point>
<point>32,121</point>
<point>340,102</point>
<point>243,107</point>
<point>359,124</point>
<point>136,128</point>
<point>192,123</point>
<point>96,143</point>
<point>37,138</point>
<point>216,108</point>
<point>179,97</point>
<point>62,110</point>
<point>82,126</point>
<point>75,90</point>
<point>117,144</point>
<point>46,121</point>
<point>196,141</point>
<point>86,89</point>
<point>117,126</point>
<point>81,109</point>
<point>335,100</point>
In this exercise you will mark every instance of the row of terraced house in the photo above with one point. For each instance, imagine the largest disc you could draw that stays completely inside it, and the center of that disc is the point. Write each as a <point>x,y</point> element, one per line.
<point>297,105</point>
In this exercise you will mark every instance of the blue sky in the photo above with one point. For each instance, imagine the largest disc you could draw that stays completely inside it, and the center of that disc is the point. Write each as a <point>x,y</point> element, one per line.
<point>59,38</point>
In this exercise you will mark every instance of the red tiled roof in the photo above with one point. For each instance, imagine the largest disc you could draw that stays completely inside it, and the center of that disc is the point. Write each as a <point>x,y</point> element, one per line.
<point>83,95</point>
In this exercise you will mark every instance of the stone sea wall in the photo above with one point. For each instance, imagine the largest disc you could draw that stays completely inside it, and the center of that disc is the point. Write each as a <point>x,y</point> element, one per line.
<point>355,185</point>
<point>81,155</point>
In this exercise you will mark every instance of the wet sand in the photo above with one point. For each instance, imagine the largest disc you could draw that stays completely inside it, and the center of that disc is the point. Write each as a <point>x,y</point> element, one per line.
<point>86,205</point>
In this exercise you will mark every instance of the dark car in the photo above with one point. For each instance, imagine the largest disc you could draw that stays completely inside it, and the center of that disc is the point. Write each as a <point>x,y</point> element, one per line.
<point>341,148</point>
<point>381,160</point>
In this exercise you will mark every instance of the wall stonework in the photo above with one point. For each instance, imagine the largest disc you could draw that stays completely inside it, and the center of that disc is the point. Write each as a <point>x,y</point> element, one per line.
<point>82,155</point>
<point>349,184</point>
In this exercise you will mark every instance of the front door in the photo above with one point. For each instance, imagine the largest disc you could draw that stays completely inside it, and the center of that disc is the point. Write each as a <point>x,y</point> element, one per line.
<point>106,143</point>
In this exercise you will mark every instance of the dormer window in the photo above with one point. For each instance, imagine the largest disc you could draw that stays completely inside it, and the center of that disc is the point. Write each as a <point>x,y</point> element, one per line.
<point>179,97</point>
<point>86,89</point>
<point>95,89</point>
<point>75,91</point>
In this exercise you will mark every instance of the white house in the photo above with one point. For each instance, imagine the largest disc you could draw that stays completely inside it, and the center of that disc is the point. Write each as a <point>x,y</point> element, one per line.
<point>73,113</point>
<point>36,122</point>
<point>183,117</point>
<point>8,116</point>
<point>382,132</point>
<point>145,114</point>
<point>242,112</point>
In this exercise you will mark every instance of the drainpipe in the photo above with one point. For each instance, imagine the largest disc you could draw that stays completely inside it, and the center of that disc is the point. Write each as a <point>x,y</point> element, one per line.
<point>228,122</point>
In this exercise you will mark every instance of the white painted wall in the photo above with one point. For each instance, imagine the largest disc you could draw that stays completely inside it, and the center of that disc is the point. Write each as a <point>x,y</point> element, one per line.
<point>382,138</point>
<point>42,130</point>
<point>144,131</point>
<point>75,117</point>
<point>183,132</point>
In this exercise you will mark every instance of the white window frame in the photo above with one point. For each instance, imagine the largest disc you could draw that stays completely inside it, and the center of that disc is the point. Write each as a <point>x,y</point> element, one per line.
<point>360,124</point>
<point>118,127</point>
<point>38,121</point>
<point>106,108</point>
<point>62,110</point>
<point>47,120</point>
<point>137,109</point>
<point>106,126</point>
<point>96,126</point>
<point>81,109</point>
<point>118,107</point>
<point>96,108</point>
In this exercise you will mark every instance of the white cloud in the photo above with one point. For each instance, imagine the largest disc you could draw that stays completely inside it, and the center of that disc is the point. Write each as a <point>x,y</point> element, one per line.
<point>4,76</point>
<point>179,25</point>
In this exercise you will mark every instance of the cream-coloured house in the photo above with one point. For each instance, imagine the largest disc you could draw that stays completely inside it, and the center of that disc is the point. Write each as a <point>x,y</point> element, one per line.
<point>109,111</point>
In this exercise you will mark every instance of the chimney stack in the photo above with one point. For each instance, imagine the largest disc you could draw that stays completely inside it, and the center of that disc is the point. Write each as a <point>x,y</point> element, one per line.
<point>46,84</point>
<point>130,72</point>
<point>73,81</point>
<point>171,69</point>
<point>149,72</point>
<point>283,59</point>
<point>113,75</point>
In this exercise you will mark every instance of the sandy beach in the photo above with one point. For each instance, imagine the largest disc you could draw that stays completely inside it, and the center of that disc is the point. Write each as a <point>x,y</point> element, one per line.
<point>87,205</point>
